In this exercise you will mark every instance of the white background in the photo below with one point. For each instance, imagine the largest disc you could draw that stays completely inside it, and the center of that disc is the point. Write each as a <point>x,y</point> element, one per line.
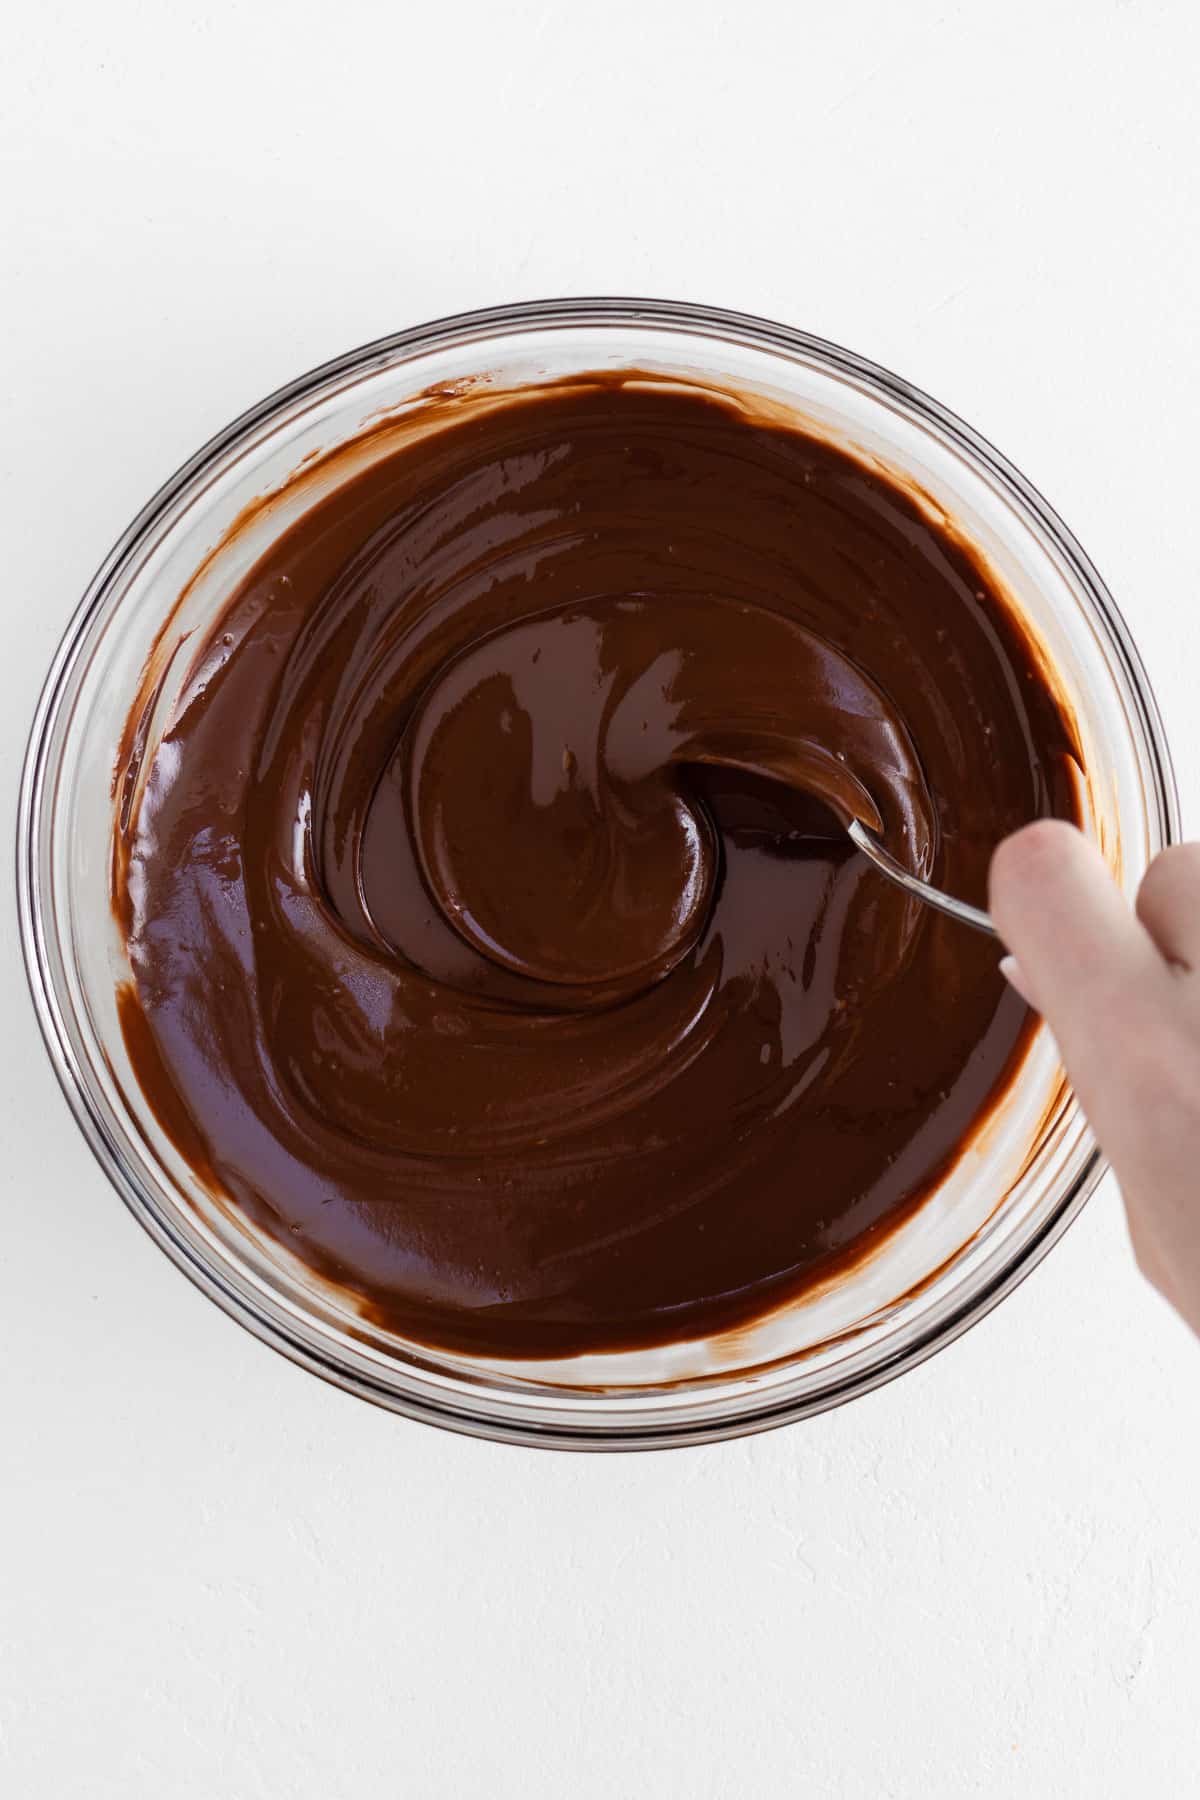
<point>220,1578</point>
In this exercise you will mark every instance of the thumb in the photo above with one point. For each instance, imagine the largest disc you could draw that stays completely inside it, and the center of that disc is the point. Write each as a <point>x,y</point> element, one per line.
<point>1084,960</point>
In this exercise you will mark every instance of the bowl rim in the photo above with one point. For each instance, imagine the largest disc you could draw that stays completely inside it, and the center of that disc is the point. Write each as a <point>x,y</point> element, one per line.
<point>276,1331</point>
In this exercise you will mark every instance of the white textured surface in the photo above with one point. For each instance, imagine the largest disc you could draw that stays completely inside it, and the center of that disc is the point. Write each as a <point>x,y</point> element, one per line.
<point>219,1578</point>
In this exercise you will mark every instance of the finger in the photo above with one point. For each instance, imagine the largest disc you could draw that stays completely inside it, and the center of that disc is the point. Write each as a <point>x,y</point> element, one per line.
<point>1092,968</point>
<point>1168,903</point>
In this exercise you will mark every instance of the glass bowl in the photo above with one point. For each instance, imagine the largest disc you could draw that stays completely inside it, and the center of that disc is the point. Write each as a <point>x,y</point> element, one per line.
<point>996,1214</point>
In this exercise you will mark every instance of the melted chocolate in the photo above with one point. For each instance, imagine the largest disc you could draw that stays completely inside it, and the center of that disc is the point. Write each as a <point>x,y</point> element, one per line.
<point>496,940</point>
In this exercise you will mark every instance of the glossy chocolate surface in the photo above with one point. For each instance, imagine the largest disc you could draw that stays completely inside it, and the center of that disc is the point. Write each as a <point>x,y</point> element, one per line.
<point>496,941</point>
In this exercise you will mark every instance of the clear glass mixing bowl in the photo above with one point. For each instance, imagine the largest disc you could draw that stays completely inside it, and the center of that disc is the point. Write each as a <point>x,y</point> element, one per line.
<point>992,1219</point>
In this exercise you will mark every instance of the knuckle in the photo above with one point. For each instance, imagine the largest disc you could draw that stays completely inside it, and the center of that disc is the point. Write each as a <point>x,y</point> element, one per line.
<point>1173,878</point>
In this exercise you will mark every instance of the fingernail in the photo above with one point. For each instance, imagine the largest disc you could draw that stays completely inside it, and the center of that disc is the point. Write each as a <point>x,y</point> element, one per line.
<point>1012,972</point>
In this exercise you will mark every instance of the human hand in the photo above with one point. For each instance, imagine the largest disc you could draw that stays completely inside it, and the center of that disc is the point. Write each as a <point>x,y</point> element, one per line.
<point>1117,988</point>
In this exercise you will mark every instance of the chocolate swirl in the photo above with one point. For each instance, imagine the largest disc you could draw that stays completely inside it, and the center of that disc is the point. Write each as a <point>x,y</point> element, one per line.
<point>495,936</point>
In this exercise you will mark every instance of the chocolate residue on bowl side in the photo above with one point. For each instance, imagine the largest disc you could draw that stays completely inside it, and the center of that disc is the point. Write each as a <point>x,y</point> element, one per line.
<point>491,917</point>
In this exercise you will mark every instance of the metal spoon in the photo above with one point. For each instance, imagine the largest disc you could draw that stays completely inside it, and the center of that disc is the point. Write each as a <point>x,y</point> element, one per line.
<point>887,865</point>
